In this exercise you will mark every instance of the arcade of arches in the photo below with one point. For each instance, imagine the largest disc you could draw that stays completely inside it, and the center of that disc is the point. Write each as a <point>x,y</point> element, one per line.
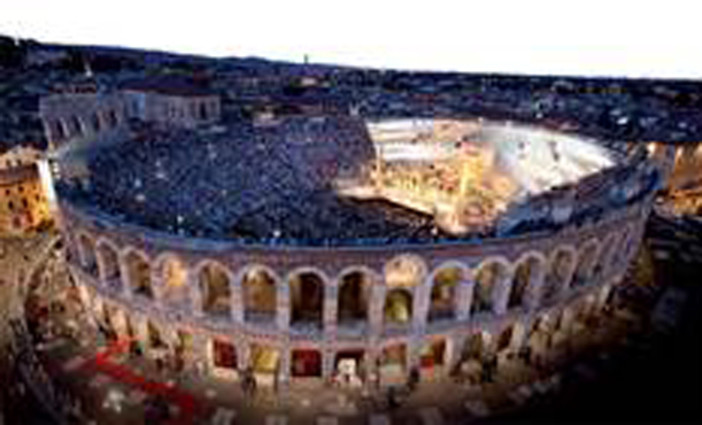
<point>309,297</point>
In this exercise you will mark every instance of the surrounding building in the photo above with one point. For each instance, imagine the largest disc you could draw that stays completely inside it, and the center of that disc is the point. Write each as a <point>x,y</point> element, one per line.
<point>23,203</point>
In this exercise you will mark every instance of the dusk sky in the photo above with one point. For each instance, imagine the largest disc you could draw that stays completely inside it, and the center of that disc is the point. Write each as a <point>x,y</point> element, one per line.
<point>594,37</point>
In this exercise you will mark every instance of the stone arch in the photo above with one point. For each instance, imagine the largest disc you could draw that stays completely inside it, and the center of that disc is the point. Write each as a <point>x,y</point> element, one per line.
<point>259,291</point>
<point>444,290</point>
<point>108,262</point>
<point>353,298</point>
<point>398,306</point>
<point>406,270</point>
<point>560,270</point>
<point>214,282</point>
<point>528,273</point>
<point>587,257</point>
<point>86,248</point>
<point>139,273</point>
<point>307,297</point>
<point>489,276</point>
<point>172,275</point>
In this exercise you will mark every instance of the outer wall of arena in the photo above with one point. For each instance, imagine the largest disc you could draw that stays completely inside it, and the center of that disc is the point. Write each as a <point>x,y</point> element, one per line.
<point>292,313</point>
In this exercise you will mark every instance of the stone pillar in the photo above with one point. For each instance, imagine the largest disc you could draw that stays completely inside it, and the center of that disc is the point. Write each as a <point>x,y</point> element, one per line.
<point>535,289</point>
<point>283,307</point>
<point>284,370</point>
<point>376,311</point>
<point>157,283</point>
<point>201,353</point>
<point>420,307</point>
<point>243,354</point>
<point>566,320</point>
<point>464,298</point>
<point>567,281</point>
<point>195,294</point>
<point>456,347</point>
<point>519,336</point>
<point>414,348</point>
<point>330,311</point>
<point>602,296</point>
<point>500,296</point>
<point>141,331</point>
<point>328,363</point>
<point>100,262</point>
<point>124,275</point>
<point>119,322</point>
<point>237,301</point>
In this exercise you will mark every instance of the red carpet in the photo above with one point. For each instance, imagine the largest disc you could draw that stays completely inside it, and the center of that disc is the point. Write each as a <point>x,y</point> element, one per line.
<point>121,373</point>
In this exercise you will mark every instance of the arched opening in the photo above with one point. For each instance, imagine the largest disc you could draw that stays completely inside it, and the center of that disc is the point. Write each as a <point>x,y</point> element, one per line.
<point>223,354</point>
<point>110,266</point>
<point>87,249</point>
<point>524,277</point>
<point>398,307</point>
<point>58,131</point>
<point>504,340</point>
<point>586,265</point>
<point>259,291</point>
<point>349,368</point>
<point>353,299</point>
<point>216,293</point>
<point>154,336</point>
<point>203,111</point>
<point>488,277</point>
<point>96,122</point>
<point>139,274</point>
<point>432,358</point>
<point>76,127</point>
<point>307,299</point>
<point>183,349</point>
<point>443,293</point>
<point>264,361</point>
<point>175,276</point>
<point>107,319</point>
<point>539,339</point>
<point>558,274</point>
<point>404,271</point>
<point>393,364</point>
<point>306,363</point>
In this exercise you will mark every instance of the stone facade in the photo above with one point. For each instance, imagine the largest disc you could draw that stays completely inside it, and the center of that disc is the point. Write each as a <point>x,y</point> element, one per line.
<point>104,256</point>
<point>23,203</point>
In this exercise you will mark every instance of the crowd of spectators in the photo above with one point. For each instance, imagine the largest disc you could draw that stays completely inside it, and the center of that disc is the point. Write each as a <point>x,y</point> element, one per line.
<point>271,183</point>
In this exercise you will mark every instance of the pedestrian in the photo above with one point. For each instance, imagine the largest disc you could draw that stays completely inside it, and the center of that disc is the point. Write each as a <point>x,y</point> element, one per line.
<point>413,378</point>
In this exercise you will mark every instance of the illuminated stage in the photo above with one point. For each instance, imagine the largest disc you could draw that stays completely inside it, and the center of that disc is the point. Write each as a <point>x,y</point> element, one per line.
<point>465,173</point>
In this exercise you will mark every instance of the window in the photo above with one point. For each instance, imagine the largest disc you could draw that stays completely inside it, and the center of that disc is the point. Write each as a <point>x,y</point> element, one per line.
<point>10,206</point>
